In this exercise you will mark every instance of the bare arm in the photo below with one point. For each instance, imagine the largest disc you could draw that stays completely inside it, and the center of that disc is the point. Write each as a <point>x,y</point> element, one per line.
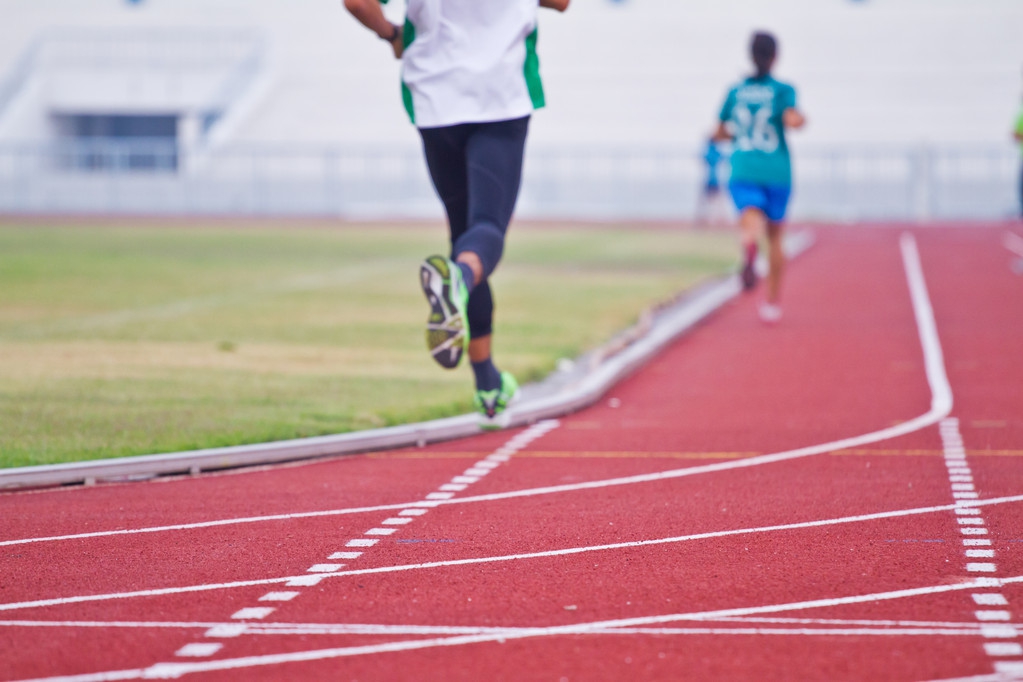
<point>722,134</point>
<point>560,5</point>
<point>792,118</point>
<point>1018,135</point>
<point>370,15</point>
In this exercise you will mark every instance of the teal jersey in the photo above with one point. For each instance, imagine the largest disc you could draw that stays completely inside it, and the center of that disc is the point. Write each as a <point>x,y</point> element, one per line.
<point>753,113</point>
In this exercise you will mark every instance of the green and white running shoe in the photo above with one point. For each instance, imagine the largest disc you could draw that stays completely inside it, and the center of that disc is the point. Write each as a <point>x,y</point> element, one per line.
<point>447,330</point>
<point>493,405</point>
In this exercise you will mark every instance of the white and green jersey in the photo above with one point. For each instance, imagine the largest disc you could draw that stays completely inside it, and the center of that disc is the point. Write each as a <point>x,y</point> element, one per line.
<point>470,61</point>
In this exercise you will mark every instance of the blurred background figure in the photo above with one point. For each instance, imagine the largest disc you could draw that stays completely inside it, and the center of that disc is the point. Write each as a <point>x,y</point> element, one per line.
<point>755,116</point>
<point>1018,135</point>
<point>712,205</point>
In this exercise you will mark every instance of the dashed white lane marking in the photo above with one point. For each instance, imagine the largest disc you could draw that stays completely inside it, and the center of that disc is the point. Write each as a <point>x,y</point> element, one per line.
<point>509,557</point>
<point>178,669</point>
<point>981,568</point>
<point>279,596</point>
<point>991,615</point>
<point>990,599</point>
<point>994,622</point>
<point>253,613</point>
<point>303,580</point>
<point>199,649</point>
<point>227,630</point>
<point>1003,649</point>
<point>324,568</point>
<point>393,526</point>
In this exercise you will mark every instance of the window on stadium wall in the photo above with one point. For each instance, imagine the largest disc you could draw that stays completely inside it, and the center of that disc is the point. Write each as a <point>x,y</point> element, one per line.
<point>117,142</point>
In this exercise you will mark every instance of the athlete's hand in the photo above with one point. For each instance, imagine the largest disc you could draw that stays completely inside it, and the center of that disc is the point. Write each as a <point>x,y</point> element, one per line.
<point>791,118</point>
<point>723,133</point>
<point>560,5</point>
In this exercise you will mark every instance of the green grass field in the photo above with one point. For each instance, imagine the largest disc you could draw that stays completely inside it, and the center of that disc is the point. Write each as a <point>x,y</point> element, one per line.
<point>120,340</point>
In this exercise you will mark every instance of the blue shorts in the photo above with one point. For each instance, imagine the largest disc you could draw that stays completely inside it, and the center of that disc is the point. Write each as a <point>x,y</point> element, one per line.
<point>771,199</point>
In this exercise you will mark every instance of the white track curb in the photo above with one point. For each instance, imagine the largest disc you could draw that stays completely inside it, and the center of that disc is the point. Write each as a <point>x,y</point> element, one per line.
<point>554,397</point>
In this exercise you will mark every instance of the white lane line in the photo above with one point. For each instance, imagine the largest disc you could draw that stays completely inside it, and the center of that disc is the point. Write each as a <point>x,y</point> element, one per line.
<point>279,596</point>
<point>227,630</point>
<point>199,649</point>
<point>177,669</point>
<point>253,613</point>
<point>1010,670</point>
<point>1003,649</point>
<point>941,406</point>
<point>999,631</point>
<point>265,628</point>
<point>509,557</point>
<point>520,440</point>
<point>952,441</point>
<point>306,580</point>
<point>345,555</point>
<point>997,677</point>
<point>991,615</point>
<point>1013,242</point>
<point>990,599</point>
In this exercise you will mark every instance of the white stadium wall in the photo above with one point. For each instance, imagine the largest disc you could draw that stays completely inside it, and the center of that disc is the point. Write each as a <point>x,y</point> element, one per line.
<point>894,89</point>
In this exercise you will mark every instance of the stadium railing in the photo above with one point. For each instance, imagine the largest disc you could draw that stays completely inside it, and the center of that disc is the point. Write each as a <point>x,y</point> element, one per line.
<point>153,176</point>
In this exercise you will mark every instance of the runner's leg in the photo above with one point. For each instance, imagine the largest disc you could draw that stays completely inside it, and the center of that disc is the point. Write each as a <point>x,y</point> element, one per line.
<point>776,257</point>
<point>444,149</point>
<point>494,160</point>
<point>752,222</point>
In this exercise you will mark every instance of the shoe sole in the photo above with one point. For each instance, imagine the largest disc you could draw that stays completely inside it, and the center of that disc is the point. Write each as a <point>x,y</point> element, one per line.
<point>445,328</point>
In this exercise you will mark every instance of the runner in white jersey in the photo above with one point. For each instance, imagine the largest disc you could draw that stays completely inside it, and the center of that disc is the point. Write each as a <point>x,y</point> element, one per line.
<point>470,81</point>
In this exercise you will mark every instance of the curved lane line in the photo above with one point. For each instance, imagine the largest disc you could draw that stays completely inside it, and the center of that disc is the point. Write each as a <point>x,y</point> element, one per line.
<point>941,407</point>
<point>175,670</point>
<point>60,601</point>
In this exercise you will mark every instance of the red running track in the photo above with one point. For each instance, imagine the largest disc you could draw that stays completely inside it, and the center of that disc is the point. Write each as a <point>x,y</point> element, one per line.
<point>645,538</point>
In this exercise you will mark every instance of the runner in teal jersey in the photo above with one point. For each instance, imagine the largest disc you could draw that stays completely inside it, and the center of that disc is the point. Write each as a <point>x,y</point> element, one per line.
<point>1018,135</point>
<point>755,115</point>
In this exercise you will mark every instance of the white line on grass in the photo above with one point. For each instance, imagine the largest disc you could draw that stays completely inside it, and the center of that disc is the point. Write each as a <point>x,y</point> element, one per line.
<point>60,601</point>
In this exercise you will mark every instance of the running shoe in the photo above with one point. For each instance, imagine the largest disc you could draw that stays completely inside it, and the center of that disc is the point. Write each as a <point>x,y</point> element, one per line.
<point>749,273</point>
<point>447,332</point>
<point>493,405</point>
<point>770,313</point>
